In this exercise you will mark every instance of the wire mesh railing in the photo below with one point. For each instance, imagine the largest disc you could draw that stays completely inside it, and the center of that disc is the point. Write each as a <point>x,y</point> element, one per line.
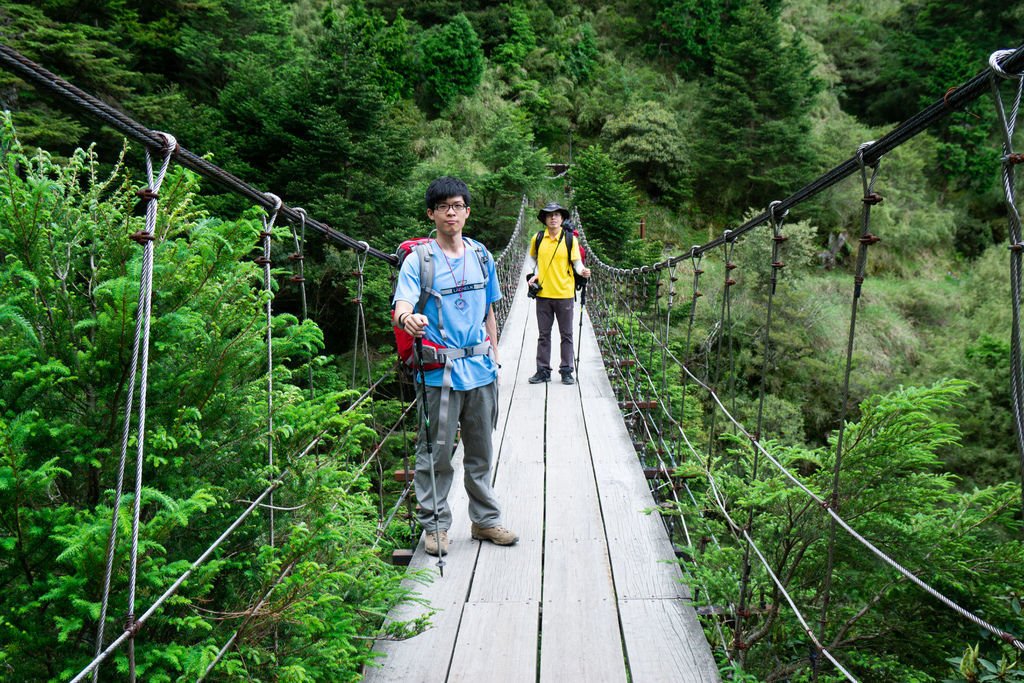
<point>679,400</point>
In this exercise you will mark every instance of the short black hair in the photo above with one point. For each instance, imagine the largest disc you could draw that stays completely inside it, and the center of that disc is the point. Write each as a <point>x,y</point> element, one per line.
<point>444,187</point>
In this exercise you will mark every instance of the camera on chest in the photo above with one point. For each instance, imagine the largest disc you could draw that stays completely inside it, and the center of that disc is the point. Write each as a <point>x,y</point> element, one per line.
<point>533,290</point>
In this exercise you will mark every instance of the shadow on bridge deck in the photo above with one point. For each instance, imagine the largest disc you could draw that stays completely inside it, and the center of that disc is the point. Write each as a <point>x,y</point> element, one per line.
<point>591,592</point>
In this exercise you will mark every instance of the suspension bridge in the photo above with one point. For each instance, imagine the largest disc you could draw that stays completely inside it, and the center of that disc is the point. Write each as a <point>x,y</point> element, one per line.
<point>593,590</point>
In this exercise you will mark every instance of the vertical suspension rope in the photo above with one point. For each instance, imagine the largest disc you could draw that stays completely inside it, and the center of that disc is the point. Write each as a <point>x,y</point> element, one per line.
<point>672,279</point>
<point>727,247</point>
<point>299,257</point>
<point>776,265</point>
<point>650,415</point>
<point>264,260</point>
<point>1009,160</point>
<point>651,280</point>
<point>628,343</point>
<point>730,266</point>
<point>409,505</point>
<point>869,199</point>
<point>695,262</point>
<point>140,347</point>
<point>360,331</point>
<point>266,235</point>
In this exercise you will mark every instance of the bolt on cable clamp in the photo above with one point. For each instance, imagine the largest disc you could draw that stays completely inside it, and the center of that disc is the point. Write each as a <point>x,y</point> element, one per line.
<point>141,237</point>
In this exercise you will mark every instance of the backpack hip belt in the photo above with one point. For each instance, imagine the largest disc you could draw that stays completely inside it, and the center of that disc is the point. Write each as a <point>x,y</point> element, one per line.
<point>447,355</point>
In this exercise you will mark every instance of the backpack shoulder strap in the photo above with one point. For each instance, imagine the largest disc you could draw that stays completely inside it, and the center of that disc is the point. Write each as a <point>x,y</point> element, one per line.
<point>426,256</point>
<point>568,246</point>
<point>536,243</point>
<point>481,255</point>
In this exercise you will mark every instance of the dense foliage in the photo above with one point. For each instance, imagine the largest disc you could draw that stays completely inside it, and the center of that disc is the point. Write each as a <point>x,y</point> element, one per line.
<point>686,115</point>
<point>70,285</point>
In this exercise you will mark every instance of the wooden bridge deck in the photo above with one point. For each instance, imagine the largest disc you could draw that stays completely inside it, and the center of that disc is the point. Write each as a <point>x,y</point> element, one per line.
<point>591,592</point>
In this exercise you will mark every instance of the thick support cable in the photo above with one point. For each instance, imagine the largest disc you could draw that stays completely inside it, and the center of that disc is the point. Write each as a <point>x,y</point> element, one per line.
<point>869,199</point>
<point>17,63</point>
<point>1010,61</point>
<point>1007,125</point>
<point>140,349</point>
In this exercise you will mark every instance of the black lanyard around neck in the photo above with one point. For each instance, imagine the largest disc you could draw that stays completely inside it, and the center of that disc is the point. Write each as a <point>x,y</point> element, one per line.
<point>555,250</point>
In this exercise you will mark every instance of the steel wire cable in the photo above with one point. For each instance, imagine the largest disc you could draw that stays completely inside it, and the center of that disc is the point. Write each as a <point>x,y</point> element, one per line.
<point>266,235</point>
<point>254,505</point>
<point>360,327</point>
<point>1007,126</point>
<point>26,68</point>
<point>739,531</point>
<point>249,614</point>
<point>716,495</point>
<point>140,364</point>
<point>869,199</point>
<point>198,562</point>
<point>1007,61</point>
<point>299,257</point>
<point>821,502</point>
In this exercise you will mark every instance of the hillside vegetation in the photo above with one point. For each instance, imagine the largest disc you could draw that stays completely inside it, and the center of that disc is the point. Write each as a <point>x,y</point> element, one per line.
<point>681,116</point>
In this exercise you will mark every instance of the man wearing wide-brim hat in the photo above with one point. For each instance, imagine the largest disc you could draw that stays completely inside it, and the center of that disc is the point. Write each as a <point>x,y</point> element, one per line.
<point>554,255</point>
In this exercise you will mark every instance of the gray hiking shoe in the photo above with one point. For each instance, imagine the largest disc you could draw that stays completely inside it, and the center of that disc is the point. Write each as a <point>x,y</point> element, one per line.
<point>567,378</point>
<point>497,535</point>
<point>539,377</point>
<point>431,543</point>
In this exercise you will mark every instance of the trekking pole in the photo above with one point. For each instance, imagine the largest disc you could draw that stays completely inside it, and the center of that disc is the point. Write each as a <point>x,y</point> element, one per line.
<point>430,452</point>
<point>579,336</point>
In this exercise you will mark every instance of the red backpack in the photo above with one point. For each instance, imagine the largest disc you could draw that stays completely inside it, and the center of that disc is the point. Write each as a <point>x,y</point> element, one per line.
<point>405,342</point>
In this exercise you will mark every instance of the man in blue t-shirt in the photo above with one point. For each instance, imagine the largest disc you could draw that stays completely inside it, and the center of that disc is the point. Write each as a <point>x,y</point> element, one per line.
<point>458,316</point>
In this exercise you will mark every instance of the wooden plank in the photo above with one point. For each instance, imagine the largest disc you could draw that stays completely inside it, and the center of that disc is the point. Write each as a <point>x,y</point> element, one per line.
<point>406,660</point>
<point>576,560</point>
<point>580,636</point>
<point>642,556</point>
<point>580,615</point>
<point>576,563</point>
<point>665,642</point>
<point>580,641</point>
<point>573,508</point>
<point>514,573</point>
<point>497,643</point>
<point>415,659</point>
<point>632,534</point>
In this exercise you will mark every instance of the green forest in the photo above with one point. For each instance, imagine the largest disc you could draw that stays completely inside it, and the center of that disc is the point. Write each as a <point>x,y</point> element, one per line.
<point>676,120</point>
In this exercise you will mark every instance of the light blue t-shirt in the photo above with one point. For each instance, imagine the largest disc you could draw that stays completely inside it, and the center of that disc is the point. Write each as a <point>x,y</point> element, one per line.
<point>463,315</point>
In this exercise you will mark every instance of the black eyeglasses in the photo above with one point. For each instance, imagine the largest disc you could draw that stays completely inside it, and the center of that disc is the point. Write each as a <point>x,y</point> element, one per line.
<point>457,208</point>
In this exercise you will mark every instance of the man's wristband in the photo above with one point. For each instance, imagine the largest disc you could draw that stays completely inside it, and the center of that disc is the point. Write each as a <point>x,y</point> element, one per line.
<point>401,319</point>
